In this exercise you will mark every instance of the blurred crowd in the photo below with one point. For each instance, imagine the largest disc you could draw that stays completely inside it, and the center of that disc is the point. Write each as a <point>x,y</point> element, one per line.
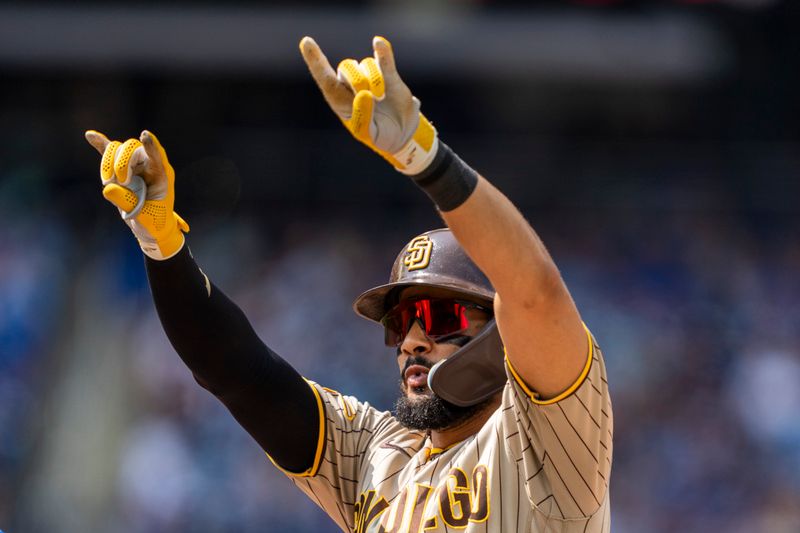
<point>653,145</point>
<point>697,314</point>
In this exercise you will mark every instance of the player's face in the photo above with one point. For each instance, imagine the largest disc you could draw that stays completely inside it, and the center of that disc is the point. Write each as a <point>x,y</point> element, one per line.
<point>418,407</point>
<point>417,352</point>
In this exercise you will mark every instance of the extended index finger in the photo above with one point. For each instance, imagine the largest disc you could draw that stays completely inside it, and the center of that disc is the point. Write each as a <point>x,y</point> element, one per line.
<point>336,93</point>
<point>155,152</point>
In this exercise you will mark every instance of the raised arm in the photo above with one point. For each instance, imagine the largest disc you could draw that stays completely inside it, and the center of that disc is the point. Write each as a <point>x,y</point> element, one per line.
<point>538,321</point>
<point>209,332</point>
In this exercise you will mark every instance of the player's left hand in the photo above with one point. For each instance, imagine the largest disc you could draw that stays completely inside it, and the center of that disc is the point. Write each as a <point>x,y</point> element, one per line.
<point>375,105</point>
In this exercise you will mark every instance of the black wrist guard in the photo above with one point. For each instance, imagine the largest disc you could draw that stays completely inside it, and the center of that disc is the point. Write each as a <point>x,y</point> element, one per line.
<point>448,181</point>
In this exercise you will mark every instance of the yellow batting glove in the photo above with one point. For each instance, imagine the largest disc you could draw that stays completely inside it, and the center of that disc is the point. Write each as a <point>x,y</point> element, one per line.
<point>138,179</point>
<point>375,105</point>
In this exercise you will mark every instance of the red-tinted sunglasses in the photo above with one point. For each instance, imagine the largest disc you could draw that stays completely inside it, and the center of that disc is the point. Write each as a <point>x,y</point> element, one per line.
<point>439,318</point>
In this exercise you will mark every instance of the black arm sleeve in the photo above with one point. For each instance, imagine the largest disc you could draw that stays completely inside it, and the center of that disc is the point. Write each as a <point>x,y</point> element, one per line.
<point>215,340</point>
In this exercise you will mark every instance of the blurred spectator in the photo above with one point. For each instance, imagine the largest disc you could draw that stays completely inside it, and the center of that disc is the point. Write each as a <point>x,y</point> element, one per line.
<point>670,208</point>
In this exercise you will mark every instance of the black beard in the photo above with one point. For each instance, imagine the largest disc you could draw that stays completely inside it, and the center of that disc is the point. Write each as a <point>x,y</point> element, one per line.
<point>430,412</point>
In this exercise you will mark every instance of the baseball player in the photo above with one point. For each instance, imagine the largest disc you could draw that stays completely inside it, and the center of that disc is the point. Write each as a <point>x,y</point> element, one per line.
<point>504,421</point>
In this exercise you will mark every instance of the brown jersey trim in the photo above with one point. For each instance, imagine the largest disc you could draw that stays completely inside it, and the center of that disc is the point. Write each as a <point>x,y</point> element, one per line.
<point>312,471</point>
<point>534,396</point>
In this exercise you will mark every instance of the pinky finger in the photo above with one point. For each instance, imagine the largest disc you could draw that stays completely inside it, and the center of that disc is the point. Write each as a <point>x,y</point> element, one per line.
<point>97,140</point>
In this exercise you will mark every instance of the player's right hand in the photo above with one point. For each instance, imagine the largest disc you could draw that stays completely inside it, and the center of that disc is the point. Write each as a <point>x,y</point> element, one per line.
<point>375,105</point>
<point>138,179</point>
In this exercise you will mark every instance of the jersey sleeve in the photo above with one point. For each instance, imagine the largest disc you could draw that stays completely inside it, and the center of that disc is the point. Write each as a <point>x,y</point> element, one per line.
<point>562,445</point>
<point>349,433</point>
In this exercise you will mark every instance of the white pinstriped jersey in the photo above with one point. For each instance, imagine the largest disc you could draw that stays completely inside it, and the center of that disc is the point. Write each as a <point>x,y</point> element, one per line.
<point>533,467</point>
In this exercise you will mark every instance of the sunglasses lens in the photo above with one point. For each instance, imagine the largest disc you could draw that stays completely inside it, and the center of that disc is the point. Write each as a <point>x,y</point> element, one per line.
<point>393,329</point>
<point>446,317</point>
<point>438,318</point>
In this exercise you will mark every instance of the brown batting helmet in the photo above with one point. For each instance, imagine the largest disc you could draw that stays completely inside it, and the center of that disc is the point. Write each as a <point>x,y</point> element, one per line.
<point>475,372</point>
<point>433,259</point>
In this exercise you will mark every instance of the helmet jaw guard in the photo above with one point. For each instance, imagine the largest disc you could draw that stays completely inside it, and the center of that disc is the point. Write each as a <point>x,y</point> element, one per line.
<point>472,374</point>
<point>435,259</point>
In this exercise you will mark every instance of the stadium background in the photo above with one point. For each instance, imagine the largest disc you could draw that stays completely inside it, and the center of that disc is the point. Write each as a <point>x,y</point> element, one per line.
<point>654,145</point>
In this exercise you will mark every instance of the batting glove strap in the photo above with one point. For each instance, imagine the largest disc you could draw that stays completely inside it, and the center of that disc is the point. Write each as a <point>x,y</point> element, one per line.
<point>419,152</point>
<point>159,230</point>
<point>447,180</point>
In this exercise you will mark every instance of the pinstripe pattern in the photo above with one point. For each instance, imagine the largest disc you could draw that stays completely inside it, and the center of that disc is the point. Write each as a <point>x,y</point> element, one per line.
<point>531,468</point>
